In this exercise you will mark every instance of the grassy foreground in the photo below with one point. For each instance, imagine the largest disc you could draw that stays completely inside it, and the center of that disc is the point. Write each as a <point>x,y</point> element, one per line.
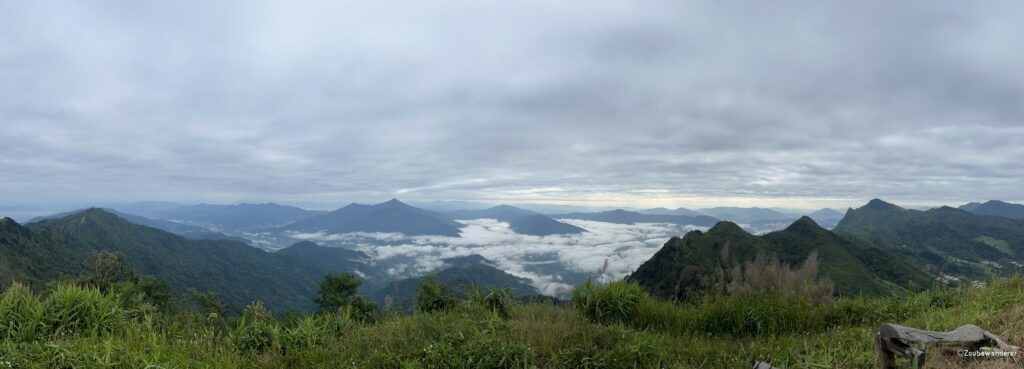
<point>614,326</point>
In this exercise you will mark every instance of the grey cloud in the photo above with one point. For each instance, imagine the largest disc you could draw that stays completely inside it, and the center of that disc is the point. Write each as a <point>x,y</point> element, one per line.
<point>664,102</point>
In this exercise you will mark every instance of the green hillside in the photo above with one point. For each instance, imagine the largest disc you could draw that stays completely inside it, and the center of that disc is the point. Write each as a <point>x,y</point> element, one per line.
<point>683,266</point>
<point>45,250</point>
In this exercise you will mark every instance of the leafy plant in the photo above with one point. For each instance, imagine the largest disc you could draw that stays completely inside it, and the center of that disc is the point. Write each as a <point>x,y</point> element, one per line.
<point>496,300</point>
<point>23,315</point>
<point>77,309</point>
<point>433,296</point>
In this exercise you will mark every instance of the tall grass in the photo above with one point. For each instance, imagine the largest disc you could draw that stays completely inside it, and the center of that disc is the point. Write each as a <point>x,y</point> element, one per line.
<point>754,312</point>
<point>67,309</point>
<point>768,276</point>
<point>611,303</point>
<point>611,326</point>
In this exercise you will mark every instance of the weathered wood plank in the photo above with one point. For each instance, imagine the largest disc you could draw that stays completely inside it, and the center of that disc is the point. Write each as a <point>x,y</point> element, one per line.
<point>886,359</point>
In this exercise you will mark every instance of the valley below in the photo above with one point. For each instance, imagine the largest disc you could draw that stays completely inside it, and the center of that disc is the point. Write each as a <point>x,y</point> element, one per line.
<point>497,287</point>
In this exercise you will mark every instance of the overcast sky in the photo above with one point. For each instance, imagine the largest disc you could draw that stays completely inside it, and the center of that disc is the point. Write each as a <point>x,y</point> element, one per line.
<point>623,103</point>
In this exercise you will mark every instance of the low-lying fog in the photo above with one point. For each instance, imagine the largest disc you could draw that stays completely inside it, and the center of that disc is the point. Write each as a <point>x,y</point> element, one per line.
<point>554,263</point>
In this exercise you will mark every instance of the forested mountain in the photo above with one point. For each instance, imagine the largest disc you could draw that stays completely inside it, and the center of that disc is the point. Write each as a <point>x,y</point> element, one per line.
<point>520,220</point>
<point>682,266</point>
<point>43,251</point>
<point>629,217</point>
<point>943,240</point>
<point>184,230</point>
<point>459,274</point>
<point>996,208</point>
<point>391,217</point>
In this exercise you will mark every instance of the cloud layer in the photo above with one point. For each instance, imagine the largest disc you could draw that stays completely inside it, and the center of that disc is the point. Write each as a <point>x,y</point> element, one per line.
<point>693,103</point>
<point>554,263</point>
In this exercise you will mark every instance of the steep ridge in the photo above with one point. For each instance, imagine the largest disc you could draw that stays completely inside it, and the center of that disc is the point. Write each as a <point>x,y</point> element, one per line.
<point>681,267</point>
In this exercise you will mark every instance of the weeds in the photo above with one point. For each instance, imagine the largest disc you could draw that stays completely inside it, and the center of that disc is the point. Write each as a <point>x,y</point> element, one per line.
<point>611,326</point>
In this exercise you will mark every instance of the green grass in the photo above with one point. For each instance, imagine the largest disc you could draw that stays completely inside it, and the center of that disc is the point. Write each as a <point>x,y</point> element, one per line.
<point>613,326</point>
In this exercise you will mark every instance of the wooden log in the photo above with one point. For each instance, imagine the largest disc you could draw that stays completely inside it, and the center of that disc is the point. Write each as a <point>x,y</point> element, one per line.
<point>968,333</point>
<point>886,359</point>
<point>891,338</point>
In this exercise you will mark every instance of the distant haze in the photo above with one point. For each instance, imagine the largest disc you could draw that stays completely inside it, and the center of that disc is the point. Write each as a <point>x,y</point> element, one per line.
<point>588,103</point>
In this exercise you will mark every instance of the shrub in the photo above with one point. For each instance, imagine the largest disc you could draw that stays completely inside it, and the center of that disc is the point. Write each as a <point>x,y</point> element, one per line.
<point>765,275</point>
<point>107,270</point>
<point>257,330</point>
<point>611,303</point>
<point>432,295</point>
<point>337,292</point>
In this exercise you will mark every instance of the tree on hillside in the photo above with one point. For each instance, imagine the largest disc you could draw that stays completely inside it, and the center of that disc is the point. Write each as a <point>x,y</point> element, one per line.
<point>107,269</point>
<point>208,302</point>
<point>432,295</point>
<point>338,292</point>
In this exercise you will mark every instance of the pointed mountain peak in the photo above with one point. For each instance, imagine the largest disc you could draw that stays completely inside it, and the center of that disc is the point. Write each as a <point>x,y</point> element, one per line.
<point>726,227</point>
<point>805,223</point>
<point>393,203</point>
<point>7,224</point>
<point>301,245</point>
<point>881,205</point>
<point>95,214</point>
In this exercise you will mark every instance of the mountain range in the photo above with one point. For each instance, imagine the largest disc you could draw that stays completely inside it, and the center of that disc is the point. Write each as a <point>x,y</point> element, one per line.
<point>876,249</point>
<point>943,240</point>
<point>996,208</point>
<point>667,211</point>
<point>620,216</point>
<point>231,218</point>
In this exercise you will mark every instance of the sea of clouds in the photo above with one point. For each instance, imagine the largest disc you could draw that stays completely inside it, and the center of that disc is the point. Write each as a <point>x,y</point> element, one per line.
<point>555,263</point>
